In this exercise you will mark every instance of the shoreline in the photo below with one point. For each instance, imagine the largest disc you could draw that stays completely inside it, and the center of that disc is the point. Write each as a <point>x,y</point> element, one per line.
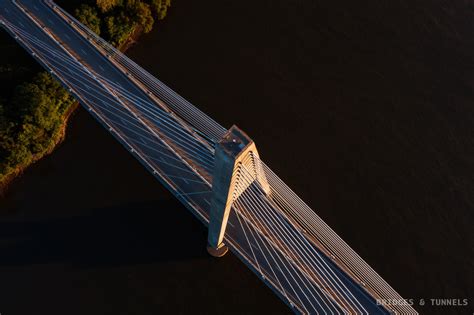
<point>61,135</point>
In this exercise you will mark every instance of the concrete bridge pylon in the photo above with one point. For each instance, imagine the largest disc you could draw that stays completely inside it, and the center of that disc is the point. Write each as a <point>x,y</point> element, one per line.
<point>234,152</point>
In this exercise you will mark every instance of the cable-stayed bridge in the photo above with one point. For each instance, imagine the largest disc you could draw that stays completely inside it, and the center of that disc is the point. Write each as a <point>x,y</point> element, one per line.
<point>216,173</point>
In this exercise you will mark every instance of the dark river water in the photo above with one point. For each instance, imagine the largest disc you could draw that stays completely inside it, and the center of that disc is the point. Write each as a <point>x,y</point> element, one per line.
<point>365,109</point>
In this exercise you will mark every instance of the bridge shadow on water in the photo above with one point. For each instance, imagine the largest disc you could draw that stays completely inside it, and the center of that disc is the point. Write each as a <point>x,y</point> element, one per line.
<point>137,233</point>
<point>137,258</point>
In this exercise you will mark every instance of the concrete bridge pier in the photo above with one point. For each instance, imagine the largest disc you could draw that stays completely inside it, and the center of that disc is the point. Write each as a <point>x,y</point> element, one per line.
<point>234,151</point>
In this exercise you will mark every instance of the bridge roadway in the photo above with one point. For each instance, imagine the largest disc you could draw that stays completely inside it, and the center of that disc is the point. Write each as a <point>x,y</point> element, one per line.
<point>162,142</point>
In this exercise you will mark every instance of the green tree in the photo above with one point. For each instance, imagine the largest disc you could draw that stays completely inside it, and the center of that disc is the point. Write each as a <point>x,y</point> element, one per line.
<point>34,124</point>
<point>118,28</point>
<point>38,111</point>
<point>107,5</point>
<point>140,14</point>
<point>31,119</point>
<point>160,8</point>
<point>88,16</point>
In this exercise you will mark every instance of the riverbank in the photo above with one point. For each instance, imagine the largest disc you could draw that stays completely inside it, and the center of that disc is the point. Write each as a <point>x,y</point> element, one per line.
<point>9,171</point>
<point>56,139</point>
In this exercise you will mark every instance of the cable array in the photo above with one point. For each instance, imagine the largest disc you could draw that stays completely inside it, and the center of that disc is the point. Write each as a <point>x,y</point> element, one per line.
<point>194,116</point>
<point>313,227</point>
<point>114,100</point>
<point>322,287</point>
<point>303,259</point>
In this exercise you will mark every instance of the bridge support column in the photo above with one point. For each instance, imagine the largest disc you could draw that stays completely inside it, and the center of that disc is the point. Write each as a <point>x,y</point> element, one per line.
<point>233,151</point>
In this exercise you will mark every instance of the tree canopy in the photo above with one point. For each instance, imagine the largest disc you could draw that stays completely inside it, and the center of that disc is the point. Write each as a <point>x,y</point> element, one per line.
<point>117,19</point>
<point>88,16</point>
<point>107,5</point>
<point>31,119</point>
<point>30,122</point>
<point>140,13</point>
<point>160,8</point>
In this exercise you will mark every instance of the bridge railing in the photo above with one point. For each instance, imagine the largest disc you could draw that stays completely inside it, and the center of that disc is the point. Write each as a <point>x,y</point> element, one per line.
<point>102,103</point>
<point>204,124</point>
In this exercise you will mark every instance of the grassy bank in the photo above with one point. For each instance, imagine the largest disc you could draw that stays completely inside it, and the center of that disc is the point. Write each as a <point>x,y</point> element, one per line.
<point>34,110</point>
